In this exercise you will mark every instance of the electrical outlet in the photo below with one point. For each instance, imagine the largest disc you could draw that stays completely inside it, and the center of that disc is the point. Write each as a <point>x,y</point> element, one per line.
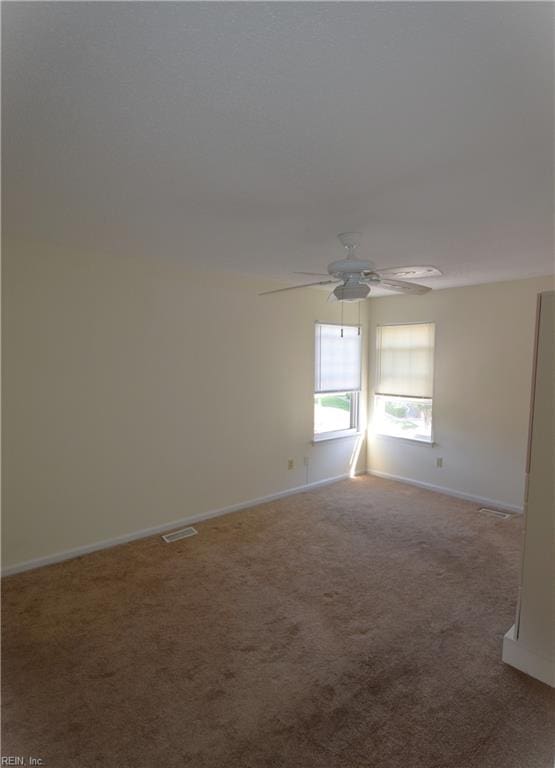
<point>439,461</point>
<point>290,464</point>
<point>306,461</point>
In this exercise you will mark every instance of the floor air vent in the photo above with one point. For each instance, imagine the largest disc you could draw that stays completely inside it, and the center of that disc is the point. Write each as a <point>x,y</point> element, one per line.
<point>184,533</point>
<point>494,513</point>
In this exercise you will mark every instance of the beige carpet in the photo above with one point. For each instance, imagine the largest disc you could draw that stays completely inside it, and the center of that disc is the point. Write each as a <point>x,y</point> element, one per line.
<point>356,625</point>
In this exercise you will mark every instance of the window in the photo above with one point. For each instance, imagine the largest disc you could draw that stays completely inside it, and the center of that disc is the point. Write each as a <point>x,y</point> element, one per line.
<point>337,380</point>
<point>404,381</point>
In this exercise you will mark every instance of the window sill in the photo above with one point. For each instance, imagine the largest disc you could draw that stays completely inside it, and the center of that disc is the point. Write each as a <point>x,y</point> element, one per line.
<point>412,440</point>
<point>326,436</point>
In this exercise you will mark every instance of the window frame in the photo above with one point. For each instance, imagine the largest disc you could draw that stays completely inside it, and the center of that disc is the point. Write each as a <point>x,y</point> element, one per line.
<point>385,435</point>
<point>354,430</point>
<point>334,434</point>
<point>419,440</point>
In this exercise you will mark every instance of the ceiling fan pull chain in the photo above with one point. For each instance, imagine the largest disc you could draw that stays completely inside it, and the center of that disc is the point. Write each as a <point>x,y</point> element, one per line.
<point>341,318</point>
<point>358,302</point>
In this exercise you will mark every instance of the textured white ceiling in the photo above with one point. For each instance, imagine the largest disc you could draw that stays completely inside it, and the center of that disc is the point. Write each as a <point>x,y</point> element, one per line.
<point>244,136</point>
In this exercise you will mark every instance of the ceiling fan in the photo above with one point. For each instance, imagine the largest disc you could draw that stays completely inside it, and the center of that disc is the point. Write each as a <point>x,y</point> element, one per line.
<point>356,276</point>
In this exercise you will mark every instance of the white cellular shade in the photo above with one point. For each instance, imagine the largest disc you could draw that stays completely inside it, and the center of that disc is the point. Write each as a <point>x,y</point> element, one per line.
<point>338,358</point>
<point>405,360</point>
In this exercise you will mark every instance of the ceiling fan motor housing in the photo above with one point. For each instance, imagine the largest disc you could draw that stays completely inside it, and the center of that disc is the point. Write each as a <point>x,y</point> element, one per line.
<point>350,267</point>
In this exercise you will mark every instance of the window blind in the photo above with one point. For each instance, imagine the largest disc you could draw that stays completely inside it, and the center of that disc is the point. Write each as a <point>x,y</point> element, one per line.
<point>338,358</point>
<point>405,360</point>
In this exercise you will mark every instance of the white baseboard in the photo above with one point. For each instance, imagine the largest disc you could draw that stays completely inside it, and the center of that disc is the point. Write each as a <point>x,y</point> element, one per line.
<point>501,505</point>
<point>145,532</point>
<point>515,654</point>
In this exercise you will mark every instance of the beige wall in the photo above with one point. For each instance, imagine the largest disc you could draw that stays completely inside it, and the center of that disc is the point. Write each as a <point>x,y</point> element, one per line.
<point>136,394</point>
<point>483,365</point>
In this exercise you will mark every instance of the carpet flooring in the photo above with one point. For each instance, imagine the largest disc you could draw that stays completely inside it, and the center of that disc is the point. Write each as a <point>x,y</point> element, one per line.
<point>356,625</point>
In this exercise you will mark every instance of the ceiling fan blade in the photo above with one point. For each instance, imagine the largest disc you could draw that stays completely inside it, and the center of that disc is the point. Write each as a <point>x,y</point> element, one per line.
<point>313,274</point>
<point>412,272</point>
<point>294,287</point>
<point>401,286</point>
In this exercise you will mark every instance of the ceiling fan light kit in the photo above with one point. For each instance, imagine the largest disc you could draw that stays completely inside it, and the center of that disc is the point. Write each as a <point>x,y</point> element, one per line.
<point>356,276</point>
<point>351,291</point>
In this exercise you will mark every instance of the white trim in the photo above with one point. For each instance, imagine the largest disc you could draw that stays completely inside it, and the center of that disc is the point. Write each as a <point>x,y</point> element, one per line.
<point>515,654</point>
<point>429,443</point>
<point>341,325</point>
<point>448,491</point>
<point>145,532</point>
<point>339,434</point>
<point>409,322</point>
